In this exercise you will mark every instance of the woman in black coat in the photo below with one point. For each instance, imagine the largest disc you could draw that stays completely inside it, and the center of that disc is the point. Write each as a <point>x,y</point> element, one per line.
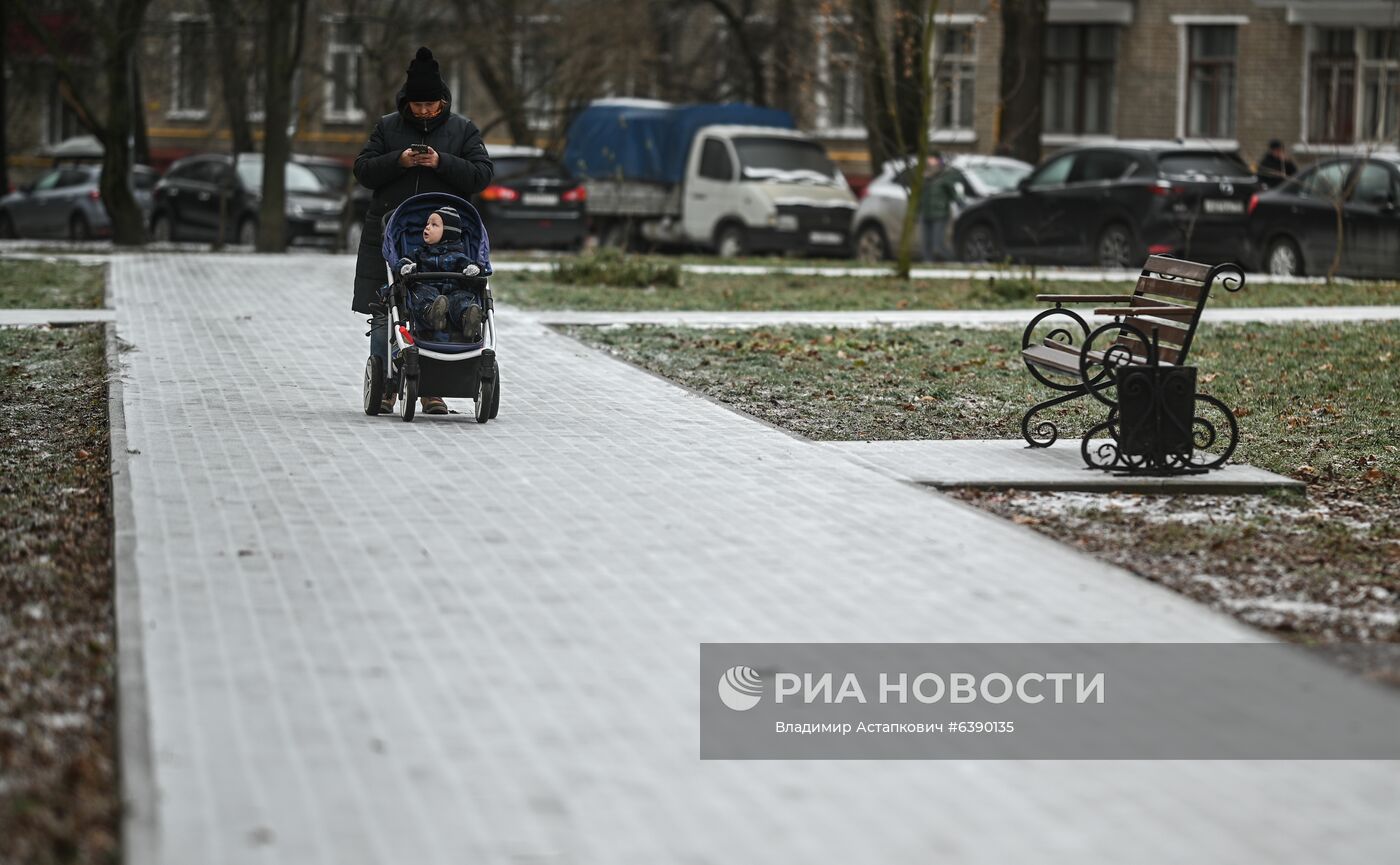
<point>455,162</point>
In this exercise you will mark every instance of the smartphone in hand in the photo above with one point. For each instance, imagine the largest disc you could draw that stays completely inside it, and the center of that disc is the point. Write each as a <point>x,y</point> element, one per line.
<point>419,148</point>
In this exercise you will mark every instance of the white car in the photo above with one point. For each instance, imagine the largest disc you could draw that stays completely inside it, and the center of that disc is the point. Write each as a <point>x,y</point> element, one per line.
<point>879,220</point>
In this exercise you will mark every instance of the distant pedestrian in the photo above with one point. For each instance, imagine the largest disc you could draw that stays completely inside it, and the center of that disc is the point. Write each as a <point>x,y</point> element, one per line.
<point>1274,166</point>
<point>421,147</point>
<point>936,208</point>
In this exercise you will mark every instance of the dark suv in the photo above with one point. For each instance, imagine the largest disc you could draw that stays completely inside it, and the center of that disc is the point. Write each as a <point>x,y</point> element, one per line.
<point>187,204</point>
<point>1112,205</point>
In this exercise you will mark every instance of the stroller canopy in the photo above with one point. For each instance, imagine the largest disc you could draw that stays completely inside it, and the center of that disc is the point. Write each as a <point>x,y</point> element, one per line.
<point>403,230</point>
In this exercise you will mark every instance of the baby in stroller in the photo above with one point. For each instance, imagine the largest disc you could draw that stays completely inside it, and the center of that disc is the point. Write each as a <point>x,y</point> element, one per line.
<point>436,305</point>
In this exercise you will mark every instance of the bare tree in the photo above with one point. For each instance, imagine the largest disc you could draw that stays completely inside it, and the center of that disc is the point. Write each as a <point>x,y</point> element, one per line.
<point>4,102</point>
<point>916,186</point>
<point>285,32</point>
<point>116,24</point>
<point>890,52</point>
<point>1019,119</point>
<point>228,26</point>
<point>740,21</point>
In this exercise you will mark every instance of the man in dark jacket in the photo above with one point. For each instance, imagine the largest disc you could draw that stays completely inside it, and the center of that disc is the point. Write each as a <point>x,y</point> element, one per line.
<point>452,159</point>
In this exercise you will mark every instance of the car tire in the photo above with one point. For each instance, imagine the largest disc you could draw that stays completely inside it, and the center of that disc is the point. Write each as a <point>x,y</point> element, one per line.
<point>980,245</point>
<point>7,227</point>
<point>1116,249</point>
<point>1284,258</point>
<point>871,245</point>
<point>78,228</point>
<point>162,229</point>
<point>247,232</point>
<point>731,241</point>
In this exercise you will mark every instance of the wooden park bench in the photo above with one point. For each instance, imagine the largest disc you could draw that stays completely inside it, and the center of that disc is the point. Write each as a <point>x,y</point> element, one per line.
<point>1155,325</point>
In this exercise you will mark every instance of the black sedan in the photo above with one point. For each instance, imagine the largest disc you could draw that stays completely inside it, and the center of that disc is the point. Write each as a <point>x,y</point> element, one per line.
<point>188,201</point>
<point>1113,205</point>
<point>532,201</point>
<point>1293,229</point>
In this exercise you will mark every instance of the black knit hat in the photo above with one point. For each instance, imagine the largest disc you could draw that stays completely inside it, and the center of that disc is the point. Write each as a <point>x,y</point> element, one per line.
<point>451,223</point>
<point>425,83</point>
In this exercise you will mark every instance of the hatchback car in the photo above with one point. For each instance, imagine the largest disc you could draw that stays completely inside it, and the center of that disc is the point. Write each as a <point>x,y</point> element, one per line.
<point>67,202</point>
<point>532,201</point>
<point>1293,227</point>
<point>187,201</point>
<point>1113,205</point>
<point>878,223</point>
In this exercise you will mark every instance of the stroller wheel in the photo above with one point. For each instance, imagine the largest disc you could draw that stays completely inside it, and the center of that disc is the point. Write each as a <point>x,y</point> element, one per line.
<point>374,384</point>
<point>410,397</point>
<point>485,393</point>
<point>496,395</point>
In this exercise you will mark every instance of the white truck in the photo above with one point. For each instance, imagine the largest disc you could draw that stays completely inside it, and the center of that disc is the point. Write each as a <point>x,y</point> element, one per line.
<point>734,179</point>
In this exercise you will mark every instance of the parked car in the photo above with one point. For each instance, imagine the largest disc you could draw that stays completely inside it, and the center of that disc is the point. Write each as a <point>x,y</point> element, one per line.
<point>532,201</point>
<point>187,205</point>
<point>1293,227</point>
<point>339,177</point>
<point>66,202</point>
<point>879,221</point>
<point>1112,205</point>
<point>731,178</point>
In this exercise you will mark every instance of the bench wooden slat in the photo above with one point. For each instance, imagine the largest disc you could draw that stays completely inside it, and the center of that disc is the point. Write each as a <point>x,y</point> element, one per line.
<point>1086,298</point>
<point>1165,353</point>
<point>1056,356</point>
<point>1182,312</point>
<point>1177,267</point>
<point>1170,288</point>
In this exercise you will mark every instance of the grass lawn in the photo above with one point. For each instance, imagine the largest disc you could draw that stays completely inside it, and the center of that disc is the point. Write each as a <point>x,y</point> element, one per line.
<point>58,773</point>
<point>38,284</point>
<point>787,292</point>
<point>1316,402</point>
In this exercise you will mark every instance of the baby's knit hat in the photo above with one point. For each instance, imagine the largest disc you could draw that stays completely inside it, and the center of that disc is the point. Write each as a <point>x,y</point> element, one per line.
<point>451,223</point>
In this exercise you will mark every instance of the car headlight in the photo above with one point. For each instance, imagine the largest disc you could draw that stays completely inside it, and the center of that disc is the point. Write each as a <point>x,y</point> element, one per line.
<point>787,222</point>
<point>298,210</point>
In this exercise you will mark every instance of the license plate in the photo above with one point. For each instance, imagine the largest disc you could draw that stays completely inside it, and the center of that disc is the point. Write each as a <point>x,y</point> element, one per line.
<point>539,199</point>
<point>327,225</point>
<point>830,238</point>
<point>1223,205</point>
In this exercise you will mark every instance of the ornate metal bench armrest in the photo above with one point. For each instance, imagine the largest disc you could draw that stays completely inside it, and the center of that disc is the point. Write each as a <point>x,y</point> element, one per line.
<point>1084,298</point>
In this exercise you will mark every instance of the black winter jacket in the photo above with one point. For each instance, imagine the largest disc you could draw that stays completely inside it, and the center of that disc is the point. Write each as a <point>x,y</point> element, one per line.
<point>464,169</point>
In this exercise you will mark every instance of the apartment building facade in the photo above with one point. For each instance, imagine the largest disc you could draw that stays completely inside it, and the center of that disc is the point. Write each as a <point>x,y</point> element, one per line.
<point>1321,75</point>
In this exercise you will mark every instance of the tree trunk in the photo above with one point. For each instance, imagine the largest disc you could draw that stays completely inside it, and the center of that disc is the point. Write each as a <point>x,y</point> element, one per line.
<point>914,206</point>
<point>1022,74</point>
<point>4,113</point>
<point>141,139</point>
<point>881,126</point>
<point>791,29</point>
<point>232,79</point>
<point>283,34</point>
<point>128,224</point>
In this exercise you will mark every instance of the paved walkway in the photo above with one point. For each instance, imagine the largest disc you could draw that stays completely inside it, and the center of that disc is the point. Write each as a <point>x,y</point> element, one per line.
<point>366,641</point>
<point>920,317</point>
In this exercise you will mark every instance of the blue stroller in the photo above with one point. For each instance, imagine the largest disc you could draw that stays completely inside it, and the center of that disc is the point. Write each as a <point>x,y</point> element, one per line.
<point>421,362</point>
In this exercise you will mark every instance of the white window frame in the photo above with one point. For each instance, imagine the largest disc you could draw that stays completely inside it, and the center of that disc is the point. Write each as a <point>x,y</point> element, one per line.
<point>1184,23</point>
<point>533,120</point>
<point>176,111</point>
<point>355,54</point>
<point>942,22</point>
<point>1361,142</point>
<point>822,24</point>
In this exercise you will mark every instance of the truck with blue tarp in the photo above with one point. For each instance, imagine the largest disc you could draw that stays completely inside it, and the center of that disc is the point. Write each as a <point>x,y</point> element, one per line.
<point>733,178</point>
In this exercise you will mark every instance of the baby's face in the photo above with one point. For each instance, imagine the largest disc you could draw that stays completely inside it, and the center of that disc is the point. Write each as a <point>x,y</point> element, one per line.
<point>432,232</point>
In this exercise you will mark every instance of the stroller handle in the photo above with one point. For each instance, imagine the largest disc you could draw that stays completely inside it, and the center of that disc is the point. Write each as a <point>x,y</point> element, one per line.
<point>417,276</point>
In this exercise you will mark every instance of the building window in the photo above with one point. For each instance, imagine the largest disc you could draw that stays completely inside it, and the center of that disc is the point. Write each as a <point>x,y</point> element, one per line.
<point>1332,86</point>
<point>61,121</point>
<point>954,74</point>
<point>1210,81</point>
<point>190,90</point>
<point>344,78</point>
<point>1380,86</point>
<point>1079,78</point>
<point>840,98</point>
